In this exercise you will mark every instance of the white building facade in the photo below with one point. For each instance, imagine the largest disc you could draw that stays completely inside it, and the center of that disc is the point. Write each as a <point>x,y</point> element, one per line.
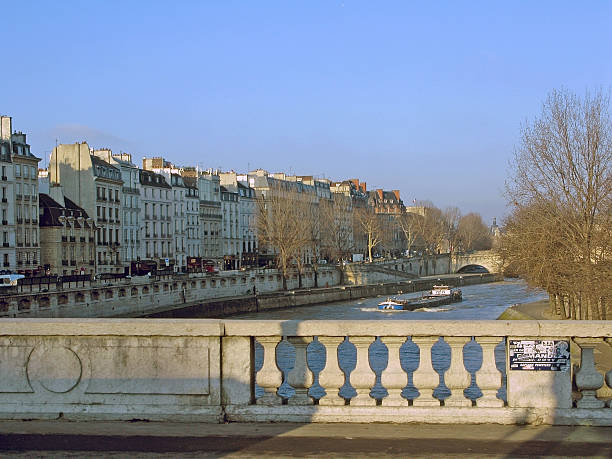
<point>157,237</point>
<point>20,248</point>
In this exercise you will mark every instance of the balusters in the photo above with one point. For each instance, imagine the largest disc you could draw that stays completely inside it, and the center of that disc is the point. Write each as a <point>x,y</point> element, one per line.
<point>300,377</point>
<point>331,378</point>
<point>394,378</point>
<point>488,378</point>
<point>587,378</point>
<point>362,378</point>
<point>457,378</point>
<point>425,378</point>
<point>269,378</point>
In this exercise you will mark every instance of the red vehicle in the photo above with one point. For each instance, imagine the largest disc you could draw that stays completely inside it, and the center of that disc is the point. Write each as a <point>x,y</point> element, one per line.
<point>143,267</point>
<point>210,266</point>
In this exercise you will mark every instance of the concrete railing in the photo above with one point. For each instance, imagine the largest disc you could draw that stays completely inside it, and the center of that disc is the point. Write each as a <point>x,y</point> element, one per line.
<point>306,371</point>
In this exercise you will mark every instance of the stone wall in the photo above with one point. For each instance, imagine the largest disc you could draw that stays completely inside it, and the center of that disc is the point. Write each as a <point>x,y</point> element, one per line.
<point>139,296</point>
<point>204,370</point>
<point>219,308</point>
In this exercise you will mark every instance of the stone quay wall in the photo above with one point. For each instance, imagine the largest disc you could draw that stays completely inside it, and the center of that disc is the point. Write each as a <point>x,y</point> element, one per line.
<point>139,296</point>
<point>204,370</point>
<point>220,308</point>
<point>224,293</point>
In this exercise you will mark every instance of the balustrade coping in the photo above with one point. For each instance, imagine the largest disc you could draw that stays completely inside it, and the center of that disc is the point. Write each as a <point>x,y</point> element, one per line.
<point>113,327</point>
<point>497,328</point>
<point>338,328</point>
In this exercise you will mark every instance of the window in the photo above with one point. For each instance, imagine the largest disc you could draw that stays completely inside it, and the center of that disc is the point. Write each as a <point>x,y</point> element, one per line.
<point>26,172</point>
<point>17,170</point>
<point>33,172</point>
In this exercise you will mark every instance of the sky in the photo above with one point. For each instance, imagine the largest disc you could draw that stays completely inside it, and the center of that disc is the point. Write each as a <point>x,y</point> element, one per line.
<point>425,97</point>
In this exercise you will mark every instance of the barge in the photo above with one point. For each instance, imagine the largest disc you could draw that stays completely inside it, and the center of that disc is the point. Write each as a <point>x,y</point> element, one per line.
<point>438,296</point>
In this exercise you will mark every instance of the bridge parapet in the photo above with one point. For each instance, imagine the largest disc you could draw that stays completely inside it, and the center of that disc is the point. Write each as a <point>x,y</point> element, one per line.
<point>485,258</point>
<point>210,370</point>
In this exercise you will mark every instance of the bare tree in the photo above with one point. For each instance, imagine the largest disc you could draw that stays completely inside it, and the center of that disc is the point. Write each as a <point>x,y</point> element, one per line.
<point>409,224</point>
<point>368,223</point>
<point>472,233</point>
<point>451,217</point>
<point>558,235</point>
<point>432,228</point>
<point>283,227</point>
<point>336,226</point>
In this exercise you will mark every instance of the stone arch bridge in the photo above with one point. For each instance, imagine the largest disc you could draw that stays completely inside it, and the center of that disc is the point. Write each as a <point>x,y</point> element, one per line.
<point>466,262</point>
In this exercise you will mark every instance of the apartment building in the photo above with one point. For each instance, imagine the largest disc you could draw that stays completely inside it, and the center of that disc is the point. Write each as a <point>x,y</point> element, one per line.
<point>247,210</point>
<point>388,206</point>
<point>232,247</point>
<point>157,242</point>
<point>131,226</point>
<point>7,204</point>
<point>209,189</point>
<point>67,236</point>
<point>193,247</point>
<point>96,186</point>
<point>20,250</point>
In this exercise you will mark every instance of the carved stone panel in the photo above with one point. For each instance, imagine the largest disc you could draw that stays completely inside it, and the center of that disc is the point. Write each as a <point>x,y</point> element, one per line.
<point>13,377</point>
<point>154,367</point>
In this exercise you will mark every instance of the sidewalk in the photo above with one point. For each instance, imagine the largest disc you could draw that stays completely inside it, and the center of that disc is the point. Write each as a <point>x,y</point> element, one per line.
<point>149,439</point>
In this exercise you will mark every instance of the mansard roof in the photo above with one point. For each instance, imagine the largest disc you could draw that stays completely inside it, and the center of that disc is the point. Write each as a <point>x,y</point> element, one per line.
<point>150,178</point>
<point>105,170</point>
<point>53,210</point>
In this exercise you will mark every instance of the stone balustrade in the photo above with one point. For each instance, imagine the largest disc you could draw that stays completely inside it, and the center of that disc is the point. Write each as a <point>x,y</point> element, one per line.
<point>300,371</point>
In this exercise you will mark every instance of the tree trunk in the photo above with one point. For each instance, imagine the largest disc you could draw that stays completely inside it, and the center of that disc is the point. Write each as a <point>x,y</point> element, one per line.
<point>552,300</point>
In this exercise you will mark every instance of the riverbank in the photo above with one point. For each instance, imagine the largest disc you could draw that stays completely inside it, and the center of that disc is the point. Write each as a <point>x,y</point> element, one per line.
<point>226,307</point>
<point>538,310</point>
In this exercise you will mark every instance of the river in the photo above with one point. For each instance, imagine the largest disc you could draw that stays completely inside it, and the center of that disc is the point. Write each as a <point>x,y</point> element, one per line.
<point>480,302</point>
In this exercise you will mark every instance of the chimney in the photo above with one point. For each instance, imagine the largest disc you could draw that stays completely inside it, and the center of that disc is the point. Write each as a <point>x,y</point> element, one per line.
<point>397,194</point>
<point>380,193</point>
<point>5,128</point>
<point>363,187</point>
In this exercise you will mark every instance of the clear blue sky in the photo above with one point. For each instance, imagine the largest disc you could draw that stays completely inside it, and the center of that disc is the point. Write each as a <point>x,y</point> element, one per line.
<point>423,97</point>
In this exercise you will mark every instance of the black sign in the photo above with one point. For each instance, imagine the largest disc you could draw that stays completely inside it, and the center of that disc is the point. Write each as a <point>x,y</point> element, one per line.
<point>539,355</point>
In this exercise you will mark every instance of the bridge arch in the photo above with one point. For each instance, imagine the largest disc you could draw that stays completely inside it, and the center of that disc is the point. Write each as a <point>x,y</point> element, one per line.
<point>473,269</point>
<point>486,259</point>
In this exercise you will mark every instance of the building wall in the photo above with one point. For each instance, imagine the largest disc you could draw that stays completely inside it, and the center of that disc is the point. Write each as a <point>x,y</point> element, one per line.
<point>19,239</point>
<point>232,246</point>
<point>70,166</point>
<point>210,216</point>
<point>7,207</point>
<point>157,230</point>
